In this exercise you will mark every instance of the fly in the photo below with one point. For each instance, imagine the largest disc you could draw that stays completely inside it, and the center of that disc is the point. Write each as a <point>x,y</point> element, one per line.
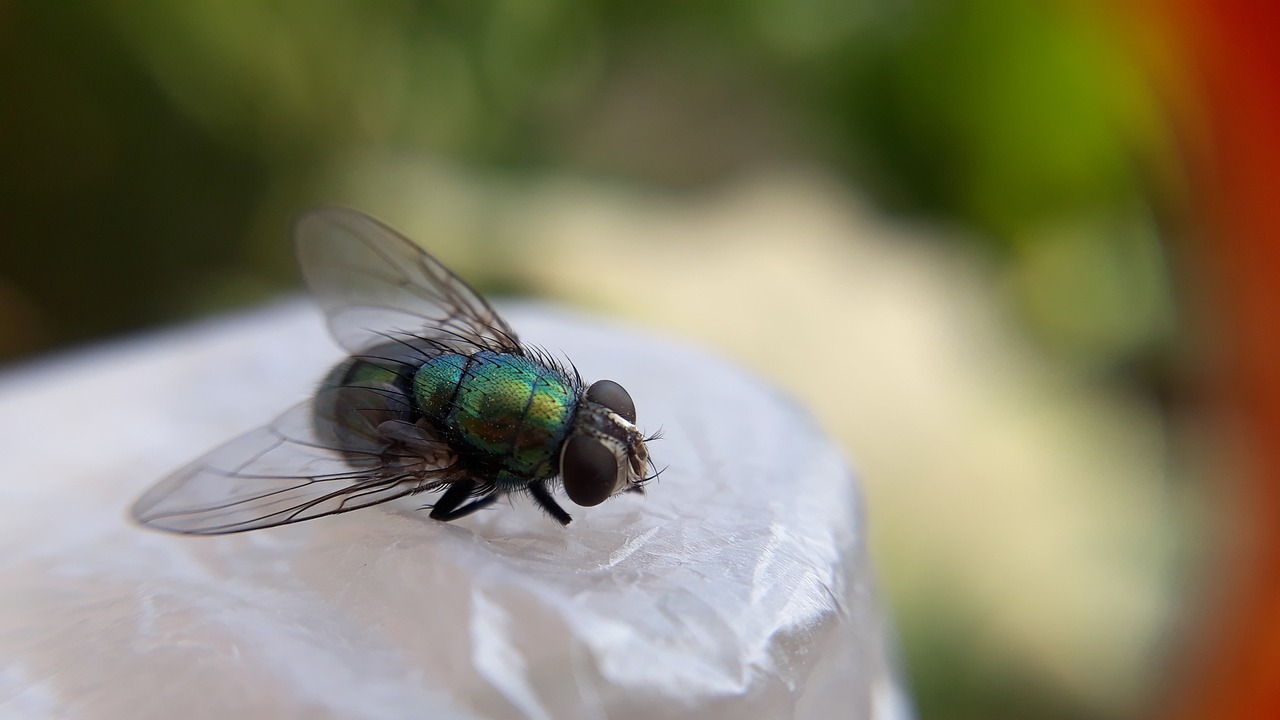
<point>438,395</point>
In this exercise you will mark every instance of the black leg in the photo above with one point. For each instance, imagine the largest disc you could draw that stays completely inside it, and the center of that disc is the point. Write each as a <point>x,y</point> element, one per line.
<point>548,503</point>
<point>450,506</point>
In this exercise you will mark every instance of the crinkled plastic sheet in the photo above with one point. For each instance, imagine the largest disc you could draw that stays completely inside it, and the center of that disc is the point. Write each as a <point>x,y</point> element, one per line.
<point>738,587</point>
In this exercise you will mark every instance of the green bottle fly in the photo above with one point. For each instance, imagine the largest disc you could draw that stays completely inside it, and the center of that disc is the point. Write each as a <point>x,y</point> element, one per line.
<point>438,395</point>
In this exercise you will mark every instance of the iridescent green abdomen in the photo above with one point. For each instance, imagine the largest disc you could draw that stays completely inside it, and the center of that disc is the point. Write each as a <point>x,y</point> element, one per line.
<point>510,411</point>
<point>363,392</point>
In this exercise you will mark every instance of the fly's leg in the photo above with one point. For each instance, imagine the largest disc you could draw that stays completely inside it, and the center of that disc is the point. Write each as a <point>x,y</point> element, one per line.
<point>450,506</point>
<point>548,503</point>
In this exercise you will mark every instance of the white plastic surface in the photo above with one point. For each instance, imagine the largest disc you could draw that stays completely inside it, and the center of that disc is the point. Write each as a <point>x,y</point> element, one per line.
<point>738,587</point>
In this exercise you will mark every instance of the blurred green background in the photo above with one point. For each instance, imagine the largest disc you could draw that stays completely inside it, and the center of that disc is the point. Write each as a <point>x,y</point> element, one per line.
<point>152,155</point>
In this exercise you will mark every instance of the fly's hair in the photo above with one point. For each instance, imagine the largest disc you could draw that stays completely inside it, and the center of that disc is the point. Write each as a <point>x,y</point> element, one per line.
<point>426,348</point>
<point>656,435</point>
<point>656,472</point>
<point>565,368</point>
<point>423,349</point>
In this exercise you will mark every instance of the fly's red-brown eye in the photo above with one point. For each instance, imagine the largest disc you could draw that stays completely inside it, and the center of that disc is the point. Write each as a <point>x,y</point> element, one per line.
<point>589,469</point>
<point>612,395</point>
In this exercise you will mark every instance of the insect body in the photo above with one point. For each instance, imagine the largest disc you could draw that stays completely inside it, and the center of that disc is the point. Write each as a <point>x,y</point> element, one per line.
<point>438,395</point>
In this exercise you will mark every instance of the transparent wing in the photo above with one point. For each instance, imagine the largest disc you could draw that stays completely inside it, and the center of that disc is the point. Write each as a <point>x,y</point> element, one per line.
<point>283,473</point>
<point>374,284</point>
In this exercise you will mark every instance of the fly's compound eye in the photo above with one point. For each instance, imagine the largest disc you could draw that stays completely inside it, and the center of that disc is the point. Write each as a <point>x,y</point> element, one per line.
<point>589,470</point>
<point>611,395</point>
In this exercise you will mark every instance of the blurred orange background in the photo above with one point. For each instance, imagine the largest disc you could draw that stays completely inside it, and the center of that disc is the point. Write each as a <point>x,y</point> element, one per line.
<point>1232,65</point>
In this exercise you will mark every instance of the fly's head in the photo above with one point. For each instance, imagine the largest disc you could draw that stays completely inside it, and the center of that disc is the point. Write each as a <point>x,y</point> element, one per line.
<point>605,453</point>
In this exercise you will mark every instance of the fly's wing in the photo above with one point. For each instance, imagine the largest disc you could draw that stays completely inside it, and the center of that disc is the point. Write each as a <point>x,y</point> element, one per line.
<point>283,473</point>
<point>375,284</point>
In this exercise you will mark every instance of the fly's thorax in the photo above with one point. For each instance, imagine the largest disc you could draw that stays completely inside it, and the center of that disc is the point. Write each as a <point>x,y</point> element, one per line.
<point>605,453</point>
<point>510,413</point>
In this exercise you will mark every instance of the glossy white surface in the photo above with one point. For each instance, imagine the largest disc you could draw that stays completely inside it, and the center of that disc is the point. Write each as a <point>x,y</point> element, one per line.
<point>738,587</point>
